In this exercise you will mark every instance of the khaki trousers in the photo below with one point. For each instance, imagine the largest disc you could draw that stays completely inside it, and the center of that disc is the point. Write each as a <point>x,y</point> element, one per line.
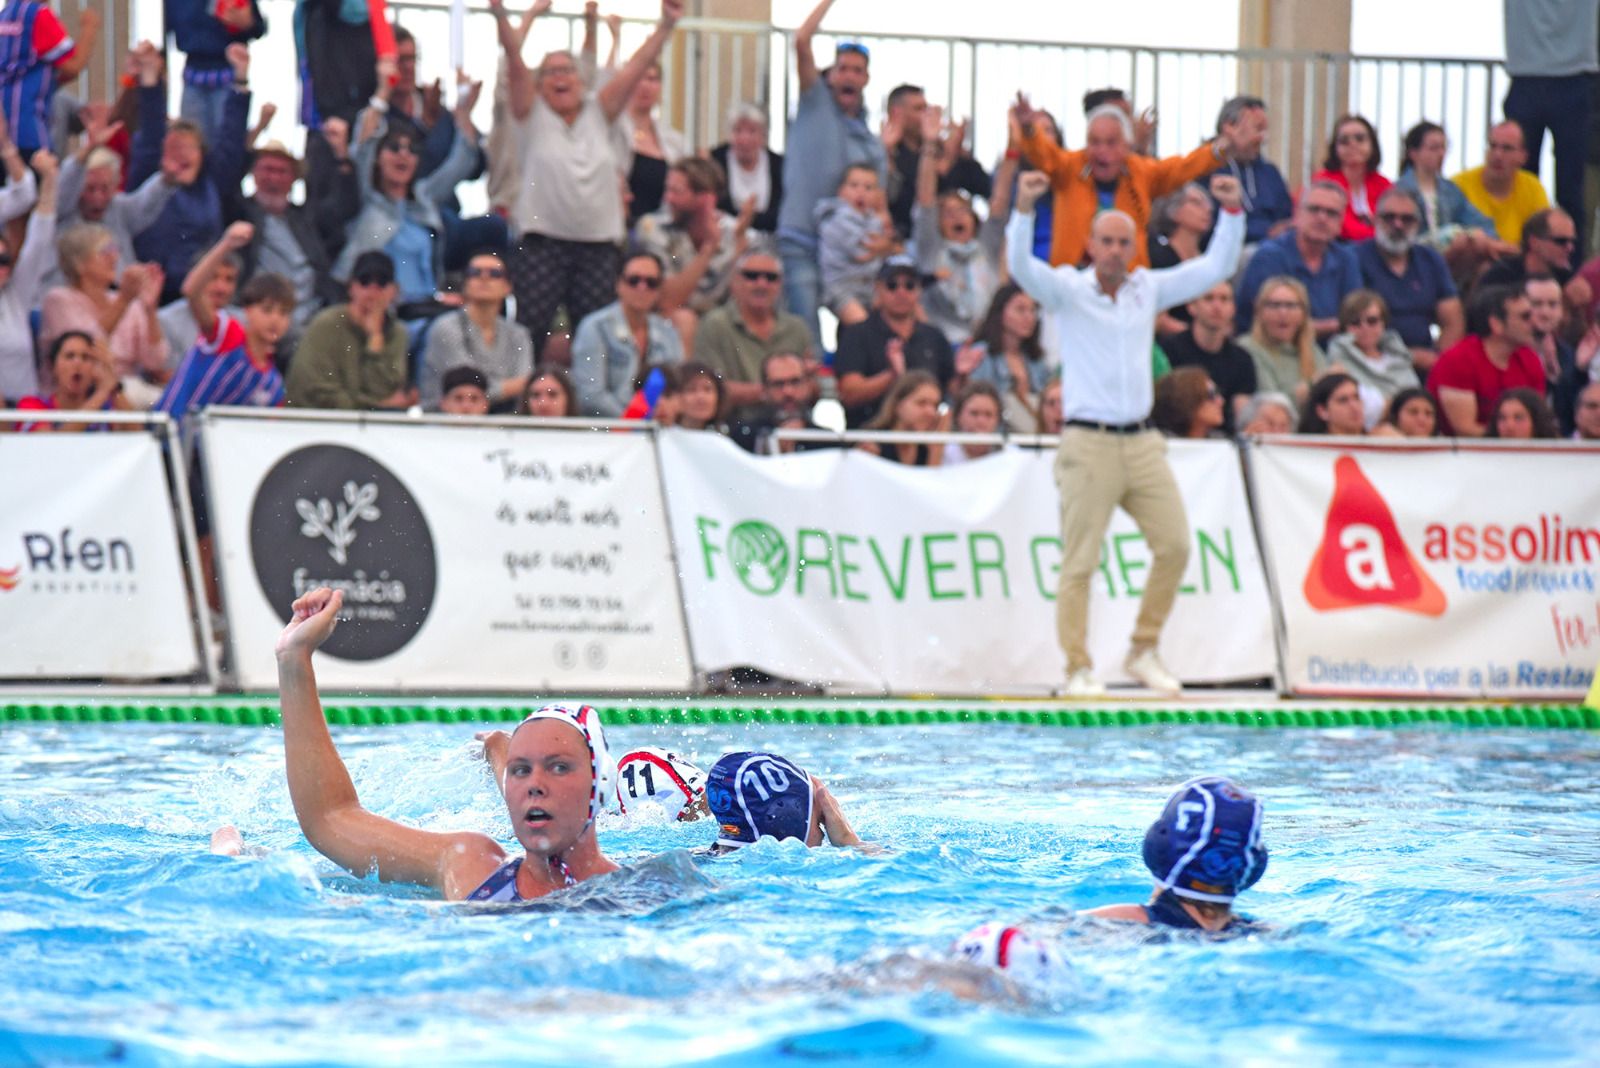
<point>1095,472</point>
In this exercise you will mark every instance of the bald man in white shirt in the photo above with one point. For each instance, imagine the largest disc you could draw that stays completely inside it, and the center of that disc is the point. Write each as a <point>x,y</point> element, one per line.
<point>1109,454</point>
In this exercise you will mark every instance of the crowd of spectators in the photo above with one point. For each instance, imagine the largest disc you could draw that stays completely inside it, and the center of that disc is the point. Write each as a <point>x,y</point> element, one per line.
<point>636,278</point>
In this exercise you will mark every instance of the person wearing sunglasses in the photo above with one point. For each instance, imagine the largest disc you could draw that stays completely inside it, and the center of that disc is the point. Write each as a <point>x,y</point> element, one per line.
<point>480,336</point>
<point>737,337</point>
<point>1548,240</point>
<point>894,339</point>
<point>1412,278</point>
<point>1371,352</point>
<point>1352,164</point>
<point>1309,253</point>
<point>399,207</point>
<point>1496,356</point>
<point>353,355</point>
<point>614,348</point>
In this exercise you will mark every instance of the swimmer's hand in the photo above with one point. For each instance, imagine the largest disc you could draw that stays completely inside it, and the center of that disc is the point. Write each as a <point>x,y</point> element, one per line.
<point>834,824</point>
<point>495,746</point>
<point>315,616</point>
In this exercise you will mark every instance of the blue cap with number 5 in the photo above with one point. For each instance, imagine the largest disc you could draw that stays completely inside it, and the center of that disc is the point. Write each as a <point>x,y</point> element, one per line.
<point>758,795</point>
<point>1207,844</point>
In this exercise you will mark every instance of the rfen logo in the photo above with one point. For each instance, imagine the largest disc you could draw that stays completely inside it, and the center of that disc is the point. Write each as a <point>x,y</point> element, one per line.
<point>1362,560</point>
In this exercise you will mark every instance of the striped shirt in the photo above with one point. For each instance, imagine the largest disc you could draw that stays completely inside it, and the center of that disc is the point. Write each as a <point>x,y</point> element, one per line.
<point>32,44</point>
<point>219,371</point>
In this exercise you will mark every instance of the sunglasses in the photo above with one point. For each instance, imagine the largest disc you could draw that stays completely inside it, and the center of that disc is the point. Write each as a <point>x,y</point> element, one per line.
<point>403,147</point>
<point>854,46</point>
<point>1325,212</point>
<point>486,272</point>
<point>1352,139</point>
<point>1213,393</point>
<point>910,285</point>
<point>371,279</point>
<point>1398,218</point>
<point>5,259</point>
<point>1371,320</point>
<point>649,281</point>
<point>761,276</point>
<point>1564,242</point>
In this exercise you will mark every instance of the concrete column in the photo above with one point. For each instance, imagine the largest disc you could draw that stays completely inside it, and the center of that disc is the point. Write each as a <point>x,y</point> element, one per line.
<point>99,79</point>
<point>1305,93</point>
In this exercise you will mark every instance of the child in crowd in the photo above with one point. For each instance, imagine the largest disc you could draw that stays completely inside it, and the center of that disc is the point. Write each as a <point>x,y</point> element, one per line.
<point>856,235</point>
<point>464,391</point>
<point>1203,850</point>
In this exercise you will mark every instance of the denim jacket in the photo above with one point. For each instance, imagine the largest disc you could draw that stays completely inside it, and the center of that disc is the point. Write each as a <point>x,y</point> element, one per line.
<point>606,361</point>
<point>1456,212</point>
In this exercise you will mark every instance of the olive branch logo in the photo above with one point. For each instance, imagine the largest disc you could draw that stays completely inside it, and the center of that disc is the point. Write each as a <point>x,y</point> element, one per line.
<point>337,523</point>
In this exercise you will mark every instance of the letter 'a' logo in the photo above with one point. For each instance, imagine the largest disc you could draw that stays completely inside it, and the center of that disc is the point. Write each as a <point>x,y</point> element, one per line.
<point>1362,561</point>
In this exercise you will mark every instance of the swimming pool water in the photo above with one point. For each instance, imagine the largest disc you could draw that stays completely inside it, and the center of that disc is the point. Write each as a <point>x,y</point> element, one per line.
<point>1436,898</point>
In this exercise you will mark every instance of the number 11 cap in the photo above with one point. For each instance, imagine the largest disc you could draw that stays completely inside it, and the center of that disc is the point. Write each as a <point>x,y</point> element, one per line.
<point>652,776</point>
<point>1207,844</point>
<point>758,795</point>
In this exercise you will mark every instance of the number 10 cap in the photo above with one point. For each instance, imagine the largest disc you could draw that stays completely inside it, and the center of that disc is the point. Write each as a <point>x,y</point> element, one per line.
<point>758,795</point>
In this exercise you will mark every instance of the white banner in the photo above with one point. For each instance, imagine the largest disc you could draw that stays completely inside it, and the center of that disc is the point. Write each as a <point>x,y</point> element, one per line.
<point>472,557</point>
<point>91,578</point>
<point>1448,570</point>
<point>840,567</point>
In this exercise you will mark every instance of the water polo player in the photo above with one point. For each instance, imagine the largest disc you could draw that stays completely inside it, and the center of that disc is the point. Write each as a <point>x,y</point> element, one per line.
<point>762,795</point>
<point>648,775</point>
<point>557,774</point>
<point>1203,850</point>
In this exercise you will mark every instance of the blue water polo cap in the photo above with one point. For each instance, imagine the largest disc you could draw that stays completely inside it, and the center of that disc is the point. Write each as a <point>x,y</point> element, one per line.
<point>758,795</point>
<point>1207,844</point>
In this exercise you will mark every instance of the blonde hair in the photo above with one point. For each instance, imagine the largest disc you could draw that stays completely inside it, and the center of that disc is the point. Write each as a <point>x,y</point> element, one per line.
<point>1305,338</point>
<point>77,244</point>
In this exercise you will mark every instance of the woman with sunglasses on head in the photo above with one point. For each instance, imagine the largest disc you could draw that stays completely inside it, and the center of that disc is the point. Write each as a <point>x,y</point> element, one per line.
<point>478,335</point>
<point>399,211</point>
<point>1352,163</point>
<point>1188,405</point>
<point>614,348</point>
<point>1371,353</point>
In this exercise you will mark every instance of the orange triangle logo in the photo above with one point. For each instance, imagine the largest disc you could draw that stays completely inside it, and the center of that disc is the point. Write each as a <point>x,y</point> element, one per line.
<point>1362,560</point>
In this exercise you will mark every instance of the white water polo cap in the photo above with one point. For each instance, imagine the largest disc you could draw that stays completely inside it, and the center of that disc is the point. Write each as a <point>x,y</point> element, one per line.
<point>586,721</point>
<point>652,776</point>
<point>1010,949</point>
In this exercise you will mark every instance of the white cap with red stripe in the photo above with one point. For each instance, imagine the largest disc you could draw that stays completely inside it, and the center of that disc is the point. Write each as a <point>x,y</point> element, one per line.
<point>653,776</point>
<point>1010,949</point>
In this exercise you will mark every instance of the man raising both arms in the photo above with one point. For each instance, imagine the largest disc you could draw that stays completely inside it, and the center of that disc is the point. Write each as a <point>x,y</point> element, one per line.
<point>1109,454</point>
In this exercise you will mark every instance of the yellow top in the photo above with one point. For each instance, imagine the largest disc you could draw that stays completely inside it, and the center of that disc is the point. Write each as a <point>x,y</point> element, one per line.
<point>1527,196</point>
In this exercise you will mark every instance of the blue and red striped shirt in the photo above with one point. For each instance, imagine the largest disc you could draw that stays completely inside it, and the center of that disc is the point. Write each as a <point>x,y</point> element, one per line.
<point>218,370</point>
<point>33,43</point>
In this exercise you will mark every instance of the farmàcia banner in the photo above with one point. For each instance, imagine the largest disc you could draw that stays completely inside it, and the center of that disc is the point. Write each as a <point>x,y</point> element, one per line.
<point>836,566</point>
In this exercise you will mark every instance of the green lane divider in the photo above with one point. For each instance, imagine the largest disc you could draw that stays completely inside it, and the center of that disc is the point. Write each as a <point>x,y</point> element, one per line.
<point>1547,717</point>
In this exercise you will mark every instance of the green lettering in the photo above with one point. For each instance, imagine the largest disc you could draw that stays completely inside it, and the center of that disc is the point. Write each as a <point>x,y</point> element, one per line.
<point>1229,560</point>
<point>935,566</point>
<point>703,525</point>
<point>802,560</point>
<point>846,568</point>
<point>898,589</point>
<point>980,565</point>
<point>1125,565</point>
<point>1047,590</point>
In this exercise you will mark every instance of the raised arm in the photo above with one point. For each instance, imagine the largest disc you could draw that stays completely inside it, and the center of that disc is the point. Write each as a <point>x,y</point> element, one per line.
<point>1188,280</point>
<point>614,94</point>
<point>151,132</point>
<point>1038,146</point>
<point>20,190</point>
<point>325,800</point>
<point>457,166</point>
<point>805,59</point>
<point>38,253</point>
<point>1037,278</point>
<point>234,238</point>
<point>519,79</point>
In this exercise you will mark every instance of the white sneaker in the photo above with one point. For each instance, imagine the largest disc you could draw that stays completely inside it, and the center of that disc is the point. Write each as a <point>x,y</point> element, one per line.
<point>1082,684</point>
<point>1147,667</point>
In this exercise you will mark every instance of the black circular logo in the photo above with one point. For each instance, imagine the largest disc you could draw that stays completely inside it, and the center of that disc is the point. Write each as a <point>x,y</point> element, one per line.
<point>327,515</point>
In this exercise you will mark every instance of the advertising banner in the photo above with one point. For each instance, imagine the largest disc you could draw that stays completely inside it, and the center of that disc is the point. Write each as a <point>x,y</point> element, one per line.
<point>1450,570</point>
<point>91,577</point>
<point>472,558</point>
<point>836,566</point>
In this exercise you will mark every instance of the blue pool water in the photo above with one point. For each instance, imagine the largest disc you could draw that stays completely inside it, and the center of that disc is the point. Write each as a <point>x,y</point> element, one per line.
<point>1436,898</point>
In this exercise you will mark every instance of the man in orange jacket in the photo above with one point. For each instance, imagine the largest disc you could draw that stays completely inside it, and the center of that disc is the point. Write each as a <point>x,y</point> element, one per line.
<point>1106,174</point>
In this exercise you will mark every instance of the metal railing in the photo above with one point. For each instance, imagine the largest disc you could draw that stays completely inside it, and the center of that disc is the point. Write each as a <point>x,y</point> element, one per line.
<point>714,63</point>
